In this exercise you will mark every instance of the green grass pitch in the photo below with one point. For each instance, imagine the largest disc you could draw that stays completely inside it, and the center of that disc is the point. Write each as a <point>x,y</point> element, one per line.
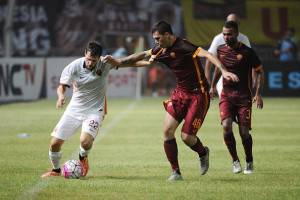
<point>128,161</point>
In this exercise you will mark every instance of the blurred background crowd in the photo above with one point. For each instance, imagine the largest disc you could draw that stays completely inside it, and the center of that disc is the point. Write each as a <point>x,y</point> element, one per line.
<point>62,28</point>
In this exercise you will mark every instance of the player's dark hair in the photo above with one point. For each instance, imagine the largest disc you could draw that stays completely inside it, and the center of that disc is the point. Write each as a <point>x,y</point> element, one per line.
<point>94,48</point>
<point>232,25</point>
<point>162,27</point>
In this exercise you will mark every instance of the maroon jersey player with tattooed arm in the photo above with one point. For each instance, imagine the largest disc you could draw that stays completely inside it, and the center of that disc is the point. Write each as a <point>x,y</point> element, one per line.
<point>235,102</point>
<point>190,100</point>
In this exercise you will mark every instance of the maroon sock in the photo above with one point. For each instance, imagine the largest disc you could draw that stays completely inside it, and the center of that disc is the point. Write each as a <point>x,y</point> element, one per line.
<point>171,151</point>
<point>231,145</point>
<point>247,143</point>
<point>199,148</point>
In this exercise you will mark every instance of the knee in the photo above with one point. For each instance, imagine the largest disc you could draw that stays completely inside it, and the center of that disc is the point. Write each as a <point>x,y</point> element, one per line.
<point>185,138</point>
<point>227,128</point>
<point>244,133</point>
<point>169,133</point>
<point>86,141</point>
<point>227,125</point>
<point>55,145</point>
<point>189,140</point>
<point>86,144</point>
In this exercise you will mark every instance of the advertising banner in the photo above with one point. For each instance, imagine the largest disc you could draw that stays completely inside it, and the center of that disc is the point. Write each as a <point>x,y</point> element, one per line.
<point>122,83</point>
<point>264,22</point>
<point>32,26</point>
<point>55,66</point>
<point>22,79</point>
<point>282,79</point>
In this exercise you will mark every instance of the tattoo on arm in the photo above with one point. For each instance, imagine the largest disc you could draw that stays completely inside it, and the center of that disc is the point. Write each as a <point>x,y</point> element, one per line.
<point>133,58</point>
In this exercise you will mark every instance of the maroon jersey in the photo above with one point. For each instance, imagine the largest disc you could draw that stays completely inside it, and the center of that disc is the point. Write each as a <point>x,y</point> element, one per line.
<point>182,59</point>
<point>239,61</point>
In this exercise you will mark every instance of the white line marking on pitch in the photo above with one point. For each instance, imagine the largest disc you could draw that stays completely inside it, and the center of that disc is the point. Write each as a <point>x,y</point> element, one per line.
<point>43,183</point>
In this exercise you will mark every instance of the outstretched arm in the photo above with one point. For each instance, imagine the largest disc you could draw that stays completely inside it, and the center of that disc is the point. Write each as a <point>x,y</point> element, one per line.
<point>259,76</point>
<point>227,75</point>
<point>134,60</point>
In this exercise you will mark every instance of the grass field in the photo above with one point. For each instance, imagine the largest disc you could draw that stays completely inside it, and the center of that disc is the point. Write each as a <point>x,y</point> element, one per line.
<point>128,161</point>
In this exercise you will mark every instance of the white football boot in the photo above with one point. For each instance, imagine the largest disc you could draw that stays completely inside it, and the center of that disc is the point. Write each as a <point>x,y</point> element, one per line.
<point>236,167</point>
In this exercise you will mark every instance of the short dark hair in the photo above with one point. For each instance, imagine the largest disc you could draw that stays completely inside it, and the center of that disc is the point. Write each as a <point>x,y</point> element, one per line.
<point>232,25</point>
<point>94,48</point>
<point>162,27</point>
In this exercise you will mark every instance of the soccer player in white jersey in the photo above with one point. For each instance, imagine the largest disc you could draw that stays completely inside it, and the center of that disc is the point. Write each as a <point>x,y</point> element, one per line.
<point>88,77</point>
<point>217,41</point>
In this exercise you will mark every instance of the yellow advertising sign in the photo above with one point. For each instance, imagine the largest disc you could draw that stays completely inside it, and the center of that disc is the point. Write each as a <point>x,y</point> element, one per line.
<point>264,22</point>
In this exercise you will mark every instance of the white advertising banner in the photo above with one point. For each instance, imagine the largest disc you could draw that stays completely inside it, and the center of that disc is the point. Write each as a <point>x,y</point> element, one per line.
<point>122,83</point>
<point>54,68</point>
<point>22,79</point>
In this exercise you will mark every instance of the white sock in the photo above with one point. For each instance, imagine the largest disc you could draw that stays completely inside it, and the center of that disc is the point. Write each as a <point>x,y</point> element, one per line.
<point>83,152</point>
<point>55,158</point>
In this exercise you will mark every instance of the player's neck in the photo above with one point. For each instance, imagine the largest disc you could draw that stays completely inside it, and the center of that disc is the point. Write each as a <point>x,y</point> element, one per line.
<point>172,40</point>
<point>234,46</point>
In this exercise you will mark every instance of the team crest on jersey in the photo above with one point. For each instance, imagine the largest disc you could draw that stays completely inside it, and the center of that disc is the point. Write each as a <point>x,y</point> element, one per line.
<point>239,57</point>
<point>173,55</point>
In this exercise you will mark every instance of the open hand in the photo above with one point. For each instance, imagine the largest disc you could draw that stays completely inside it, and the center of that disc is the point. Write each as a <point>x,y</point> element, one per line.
<point>110,59</point>
<point>259,101</point>
<point>212,92</point>
<point>230,76</point>
<point>60,102</point>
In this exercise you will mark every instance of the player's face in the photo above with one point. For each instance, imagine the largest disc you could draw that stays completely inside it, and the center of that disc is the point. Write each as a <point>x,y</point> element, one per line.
<point>90,61</point>
<point>162,40</point>
<point>230,36</point>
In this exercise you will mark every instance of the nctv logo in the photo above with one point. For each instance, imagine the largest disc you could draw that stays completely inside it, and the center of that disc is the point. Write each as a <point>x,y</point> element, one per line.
<point>15,76</point>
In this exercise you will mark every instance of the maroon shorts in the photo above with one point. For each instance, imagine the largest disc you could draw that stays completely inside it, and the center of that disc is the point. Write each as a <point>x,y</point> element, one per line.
<point>190,107</point>
<point>238,107</point>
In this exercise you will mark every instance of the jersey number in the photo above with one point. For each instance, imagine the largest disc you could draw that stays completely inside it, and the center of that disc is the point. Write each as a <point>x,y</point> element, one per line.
<point>93,124</point>
<point>197,123</point>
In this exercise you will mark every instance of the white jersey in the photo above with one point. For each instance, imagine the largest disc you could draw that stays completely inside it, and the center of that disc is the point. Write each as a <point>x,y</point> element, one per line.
<point>89,89</point>
<point>219,40</point>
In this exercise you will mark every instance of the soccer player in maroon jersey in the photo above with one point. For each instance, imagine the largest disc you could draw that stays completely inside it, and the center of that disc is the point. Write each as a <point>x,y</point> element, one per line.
<point>236,97</point>
<point>190,100</point>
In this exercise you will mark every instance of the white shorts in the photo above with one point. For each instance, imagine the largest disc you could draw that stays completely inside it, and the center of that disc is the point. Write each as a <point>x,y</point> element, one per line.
<point>68,125</point>
<point>220,86</point>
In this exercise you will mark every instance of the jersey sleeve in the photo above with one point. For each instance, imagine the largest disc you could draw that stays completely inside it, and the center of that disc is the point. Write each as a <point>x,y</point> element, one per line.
<point>254,60</point>
<point>217,41</point>
<point>244,39</point>
<point>67,75</point>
